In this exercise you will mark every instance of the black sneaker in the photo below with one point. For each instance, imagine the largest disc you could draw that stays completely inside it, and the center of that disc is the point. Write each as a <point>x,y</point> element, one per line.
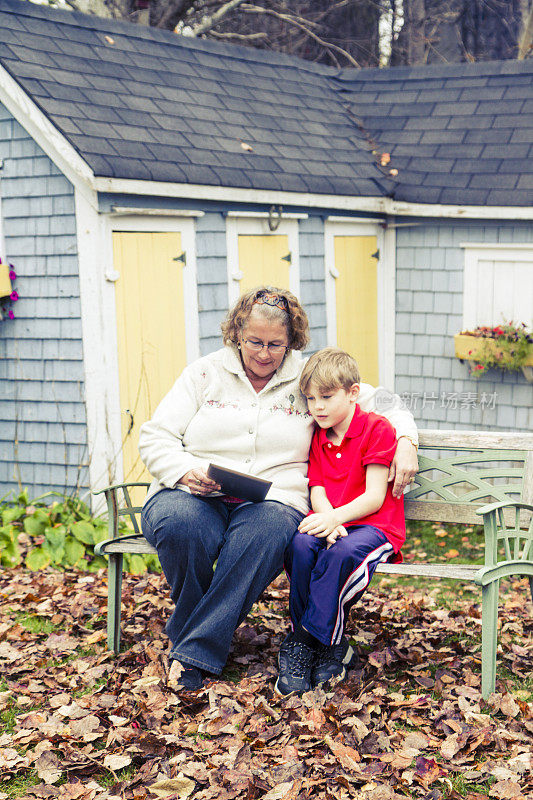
<point>188,679</point>
<point>332,662</point>
<point>296,661</point>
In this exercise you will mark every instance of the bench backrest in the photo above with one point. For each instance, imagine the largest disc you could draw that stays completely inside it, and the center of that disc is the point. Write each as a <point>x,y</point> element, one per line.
<point>460,471</point>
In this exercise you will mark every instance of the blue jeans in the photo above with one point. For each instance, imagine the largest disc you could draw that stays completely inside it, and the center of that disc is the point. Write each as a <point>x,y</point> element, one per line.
<point>190,533</point>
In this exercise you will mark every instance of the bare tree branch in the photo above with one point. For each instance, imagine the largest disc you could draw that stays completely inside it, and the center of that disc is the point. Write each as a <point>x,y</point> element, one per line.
<point>211,21</point>
<point>292,21</point>
<point>231,35</point>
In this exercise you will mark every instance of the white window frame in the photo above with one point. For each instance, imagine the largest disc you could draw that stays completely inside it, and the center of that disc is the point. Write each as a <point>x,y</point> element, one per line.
<point>252,225</point>
<point>474,252</point>
<point>386,287</point>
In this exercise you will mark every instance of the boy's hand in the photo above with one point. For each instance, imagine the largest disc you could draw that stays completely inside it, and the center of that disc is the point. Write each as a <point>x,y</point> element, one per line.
<point>339,533</point>
<point>319,524</point>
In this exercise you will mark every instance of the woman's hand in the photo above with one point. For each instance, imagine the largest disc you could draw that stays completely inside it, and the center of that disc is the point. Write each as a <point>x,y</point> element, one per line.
<point>404,466</point>
<point>199,482</point>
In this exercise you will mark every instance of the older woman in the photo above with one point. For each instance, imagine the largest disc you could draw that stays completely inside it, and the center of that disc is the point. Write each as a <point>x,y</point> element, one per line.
<point>239,407</point>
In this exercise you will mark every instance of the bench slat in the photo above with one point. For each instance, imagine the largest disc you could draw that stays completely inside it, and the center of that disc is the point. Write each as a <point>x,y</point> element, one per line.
<point>462,572</point>
<point>125,544</point>
<point>471,440</point>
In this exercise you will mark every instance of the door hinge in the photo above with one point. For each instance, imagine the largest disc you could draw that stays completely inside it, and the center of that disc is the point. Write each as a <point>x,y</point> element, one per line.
<point>375,255</point>
<point>288,258</point>
<point>182,258</point>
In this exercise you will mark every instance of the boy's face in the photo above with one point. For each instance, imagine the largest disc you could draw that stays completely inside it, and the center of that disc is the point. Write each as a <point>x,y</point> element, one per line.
<point>331,407</point>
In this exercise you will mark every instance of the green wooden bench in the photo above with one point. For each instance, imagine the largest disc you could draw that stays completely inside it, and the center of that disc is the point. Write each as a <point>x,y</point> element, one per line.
<point>463,477</point>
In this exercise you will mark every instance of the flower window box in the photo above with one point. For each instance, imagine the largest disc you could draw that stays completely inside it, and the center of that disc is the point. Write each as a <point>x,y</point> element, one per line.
<point>506,347</point>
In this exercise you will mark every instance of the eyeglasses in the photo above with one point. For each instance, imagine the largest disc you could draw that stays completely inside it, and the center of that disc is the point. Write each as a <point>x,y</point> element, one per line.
<point>272,299</point>
<point>256,345</point>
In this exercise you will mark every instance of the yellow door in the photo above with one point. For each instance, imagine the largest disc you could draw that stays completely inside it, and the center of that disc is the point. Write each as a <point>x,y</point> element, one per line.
<point>264,260</point>
<point>150,331</point>
<point>356,292</point>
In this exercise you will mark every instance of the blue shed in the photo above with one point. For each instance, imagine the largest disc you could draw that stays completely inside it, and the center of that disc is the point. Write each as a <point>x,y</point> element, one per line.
<point>147,178</point>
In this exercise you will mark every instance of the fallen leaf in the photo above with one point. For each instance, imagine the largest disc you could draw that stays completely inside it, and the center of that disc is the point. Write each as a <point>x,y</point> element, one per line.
<point>506,790</point>
<point>280,792</point>
<point>47,766</point>
<point>116,761</point>
<point>451,554</point>
<point>170,787</point>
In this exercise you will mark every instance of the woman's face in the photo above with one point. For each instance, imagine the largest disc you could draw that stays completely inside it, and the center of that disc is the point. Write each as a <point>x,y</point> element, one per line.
<point>262,364</point>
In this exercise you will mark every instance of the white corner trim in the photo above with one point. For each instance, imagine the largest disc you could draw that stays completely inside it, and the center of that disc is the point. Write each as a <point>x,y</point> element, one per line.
<point>127,211</point>
<point>387,309</point>
<point>96,354</point>
<point>47,136</point>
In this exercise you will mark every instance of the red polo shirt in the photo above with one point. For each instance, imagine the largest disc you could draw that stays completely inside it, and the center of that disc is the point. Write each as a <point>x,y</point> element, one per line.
<point>341,470</point>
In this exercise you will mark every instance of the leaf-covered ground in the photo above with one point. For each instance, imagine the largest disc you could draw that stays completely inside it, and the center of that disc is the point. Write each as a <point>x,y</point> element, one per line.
<point>78,723</point>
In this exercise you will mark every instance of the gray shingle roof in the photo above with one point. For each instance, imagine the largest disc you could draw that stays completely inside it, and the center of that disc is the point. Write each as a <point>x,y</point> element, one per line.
<point>457,133</point>
<point>141,103</point>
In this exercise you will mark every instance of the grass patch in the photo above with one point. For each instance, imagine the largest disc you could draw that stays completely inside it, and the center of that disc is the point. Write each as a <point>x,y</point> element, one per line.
<point>19,785</point>
<point>34,623</point>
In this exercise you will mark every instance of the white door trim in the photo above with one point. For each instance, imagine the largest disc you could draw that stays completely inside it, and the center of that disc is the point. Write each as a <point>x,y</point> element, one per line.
<point>386,288</point>
<point>254,226</point>
<point>142,224</point>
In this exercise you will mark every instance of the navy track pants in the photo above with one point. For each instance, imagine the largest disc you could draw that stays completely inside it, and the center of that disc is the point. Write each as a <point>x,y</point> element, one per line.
<point>326,583</point>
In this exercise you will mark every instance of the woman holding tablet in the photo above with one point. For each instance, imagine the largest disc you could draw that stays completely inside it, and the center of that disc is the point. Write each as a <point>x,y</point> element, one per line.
<point>240,408</point>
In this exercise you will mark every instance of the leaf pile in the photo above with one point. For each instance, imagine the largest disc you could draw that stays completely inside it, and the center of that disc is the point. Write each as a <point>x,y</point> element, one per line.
<point>79,723</point>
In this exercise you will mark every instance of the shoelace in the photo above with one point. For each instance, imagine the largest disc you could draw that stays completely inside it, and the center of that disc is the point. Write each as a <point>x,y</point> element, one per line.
<point>301,656</point>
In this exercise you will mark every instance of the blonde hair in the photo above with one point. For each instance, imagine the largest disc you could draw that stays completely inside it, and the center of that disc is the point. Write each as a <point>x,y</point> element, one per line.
<point>291,315</point>
<point>328,369</point>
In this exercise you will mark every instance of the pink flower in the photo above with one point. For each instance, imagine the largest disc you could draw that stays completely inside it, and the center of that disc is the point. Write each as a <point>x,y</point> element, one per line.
<point>14,296</point>
<point>12,274</point>
<point>10,314</point>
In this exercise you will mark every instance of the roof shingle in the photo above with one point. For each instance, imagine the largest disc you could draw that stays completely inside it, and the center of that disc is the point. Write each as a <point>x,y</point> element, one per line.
<point>143,103</point>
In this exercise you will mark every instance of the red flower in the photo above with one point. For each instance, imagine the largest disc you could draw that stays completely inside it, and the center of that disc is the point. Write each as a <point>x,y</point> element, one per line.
<point>479,366</point>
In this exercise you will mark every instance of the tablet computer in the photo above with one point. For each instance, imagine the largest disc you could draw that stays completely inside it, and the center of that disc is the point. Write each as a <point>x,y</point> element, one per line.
<point>238,484</point>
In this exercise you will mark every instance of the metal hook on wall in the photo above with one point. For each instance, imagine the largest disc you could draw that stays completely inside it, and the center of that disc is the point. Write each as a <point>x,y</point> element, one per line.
<point>274,217</point>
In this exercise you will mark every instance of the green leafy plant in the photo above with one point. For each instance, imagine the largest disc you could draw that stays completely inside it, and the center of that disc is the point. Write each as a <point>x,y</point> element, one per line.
<point>58,532</point>
<point>506,347</point>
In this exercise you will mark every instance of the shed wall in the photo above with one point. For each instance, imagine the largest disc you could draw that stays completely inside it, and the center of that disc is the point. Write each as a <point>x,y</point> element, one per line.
<point>43,434</point>
<point>429,311</point>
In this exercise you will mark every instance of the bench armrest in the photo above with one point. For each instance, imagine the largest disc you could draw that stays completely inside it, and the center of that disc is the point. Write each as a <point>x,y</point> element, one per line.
<point>114,512</point>
<point>506,504</point>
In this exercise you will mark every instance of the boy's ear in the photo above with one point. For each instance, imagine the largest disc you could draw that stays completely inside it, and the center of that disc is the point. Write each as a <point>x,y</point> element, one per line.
<point>353,391</point>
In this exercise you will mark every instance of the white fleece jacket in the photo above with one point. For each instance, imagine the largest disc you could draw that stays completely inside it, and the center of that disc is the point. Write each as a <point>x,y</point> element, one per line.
<point>213,414</point>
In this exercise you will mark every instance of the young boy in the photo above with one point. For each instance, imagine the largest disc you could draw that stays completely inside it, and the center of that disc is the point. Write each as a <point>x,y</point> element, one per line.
<point>354,524</point>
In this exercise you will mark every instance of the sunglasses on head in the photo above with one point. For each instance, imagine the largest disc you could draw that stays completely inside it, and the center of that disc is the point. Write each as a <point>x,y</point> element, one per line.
<point>271,299</point>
